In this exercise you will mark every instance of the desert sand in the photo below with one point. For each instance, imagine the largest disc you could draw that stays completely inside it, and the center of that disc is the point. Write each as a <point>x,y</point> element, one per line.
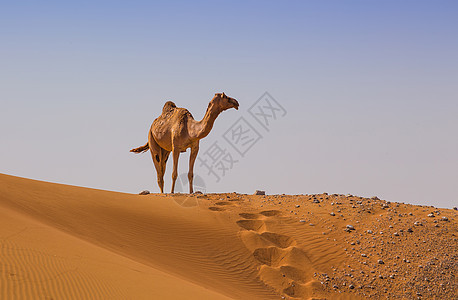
<point>65,242</point>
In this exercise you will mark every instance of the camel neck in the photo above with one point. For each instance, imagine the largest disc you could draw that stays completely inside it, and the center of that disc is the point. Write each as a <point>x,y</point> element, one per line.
<point>204,126</point>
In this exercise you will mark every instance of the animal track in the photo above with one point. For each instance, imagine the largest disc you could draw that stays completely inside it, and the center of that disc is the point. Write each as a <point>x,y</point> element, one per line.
<point>284,266</point>
<point>269,256</point>
<point>213,208</point>
<point>280,240</point>
<point>255,225</point>
<point>249,216</point>
<point>270,213</point>
<point>274,256</point>
<point>223,203</point>
<point>293,273</point>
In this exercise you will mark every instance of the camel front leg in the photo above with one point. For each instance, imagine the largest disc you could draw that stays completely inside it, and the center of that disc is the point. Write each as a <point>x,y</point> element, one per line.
<point>176,155</point>
<point>192,160</point>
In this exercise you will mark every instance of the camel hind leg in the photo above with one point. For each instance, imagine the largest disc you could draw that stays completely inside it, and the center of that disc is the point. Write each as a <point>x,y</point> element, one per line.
<point>164,157</point>
<point>157,154</point>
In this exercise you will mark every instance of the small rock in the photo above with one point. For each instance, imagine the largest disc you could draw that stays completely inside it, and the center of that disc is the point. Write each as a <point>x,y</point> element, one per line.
<point>410,230</point>
<point>455,208</point>
<point>396,234</point>
<point>431,215</point>
<point>417,223</point>
<point>297,206</point>
<point>332,214</point>
<point>369,231</point>
<point>145,192</point>
<point>259,192</point>
<point>316,201</point>
<point>375,198</point>
<point>380,261</point>
<point>444,219</point>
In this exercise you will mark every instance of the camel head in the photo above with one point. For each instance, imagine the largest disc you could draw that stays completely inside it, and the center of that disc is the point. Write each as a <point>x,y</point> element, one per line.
<point>223,102</point>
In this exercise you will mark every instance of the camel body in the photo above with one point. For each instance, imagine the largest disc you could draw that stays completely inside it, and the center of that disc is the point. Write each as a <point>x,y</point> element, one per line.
<point>175,130</point>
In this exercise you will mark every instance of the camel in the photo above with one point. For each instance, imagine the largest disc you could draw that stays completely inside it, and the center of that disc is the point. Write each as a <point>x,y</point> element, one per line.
<point>175,130</point>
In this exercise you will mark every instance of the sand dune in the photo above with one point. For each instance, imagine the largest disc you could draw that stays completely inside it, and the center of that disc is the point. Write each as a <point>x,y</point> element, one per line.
<point>62,242</point>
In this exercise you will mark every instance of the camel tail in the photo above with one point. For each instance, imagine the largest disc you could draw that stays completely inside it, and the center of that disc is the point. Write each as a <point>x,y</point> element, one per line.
<point>141,149</point>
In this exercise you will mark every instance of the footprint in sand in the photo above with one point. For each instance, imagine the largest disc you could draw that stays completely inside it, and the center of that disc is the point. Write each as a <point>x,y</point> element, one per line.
<point>282,263</point>
<point>213,208</point>
<point>219,206</point>
<point>255,225</point>
<point>279,240</point>
<point>249,216</point>
<point>270,213</point>
<point>288,270</point>
<point>223,203</point>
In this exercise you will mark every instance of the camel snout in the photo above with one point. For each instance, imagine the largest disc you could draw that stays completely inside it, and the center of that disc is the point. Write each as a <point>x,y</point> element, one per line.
<point>235,103</point>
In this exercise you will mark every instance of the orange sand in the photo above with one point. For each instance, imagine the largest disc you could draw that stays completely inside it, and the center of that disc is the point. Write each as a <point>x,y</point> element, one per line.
<point>62,242</point>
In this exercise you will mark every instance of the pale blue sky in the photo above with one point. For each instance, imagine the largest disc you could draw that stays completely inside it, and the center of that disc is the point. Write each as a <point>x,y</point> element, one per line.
<point>369,88</point>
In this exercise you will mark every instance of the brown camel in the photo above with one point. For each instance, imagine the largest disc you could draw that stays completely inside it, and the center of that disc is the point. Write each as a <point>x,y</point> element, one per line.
<point>175,130</point>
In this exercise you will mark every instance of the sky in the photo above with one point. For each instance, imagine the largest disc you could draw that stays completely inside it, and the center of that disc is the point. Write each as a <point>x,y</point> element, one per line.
<point>361,95</point>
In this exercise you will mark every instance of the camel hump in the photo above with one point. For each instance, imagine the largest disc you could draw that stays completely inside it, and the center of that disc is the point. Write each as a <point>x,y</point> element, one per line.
<point>168,106</point>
